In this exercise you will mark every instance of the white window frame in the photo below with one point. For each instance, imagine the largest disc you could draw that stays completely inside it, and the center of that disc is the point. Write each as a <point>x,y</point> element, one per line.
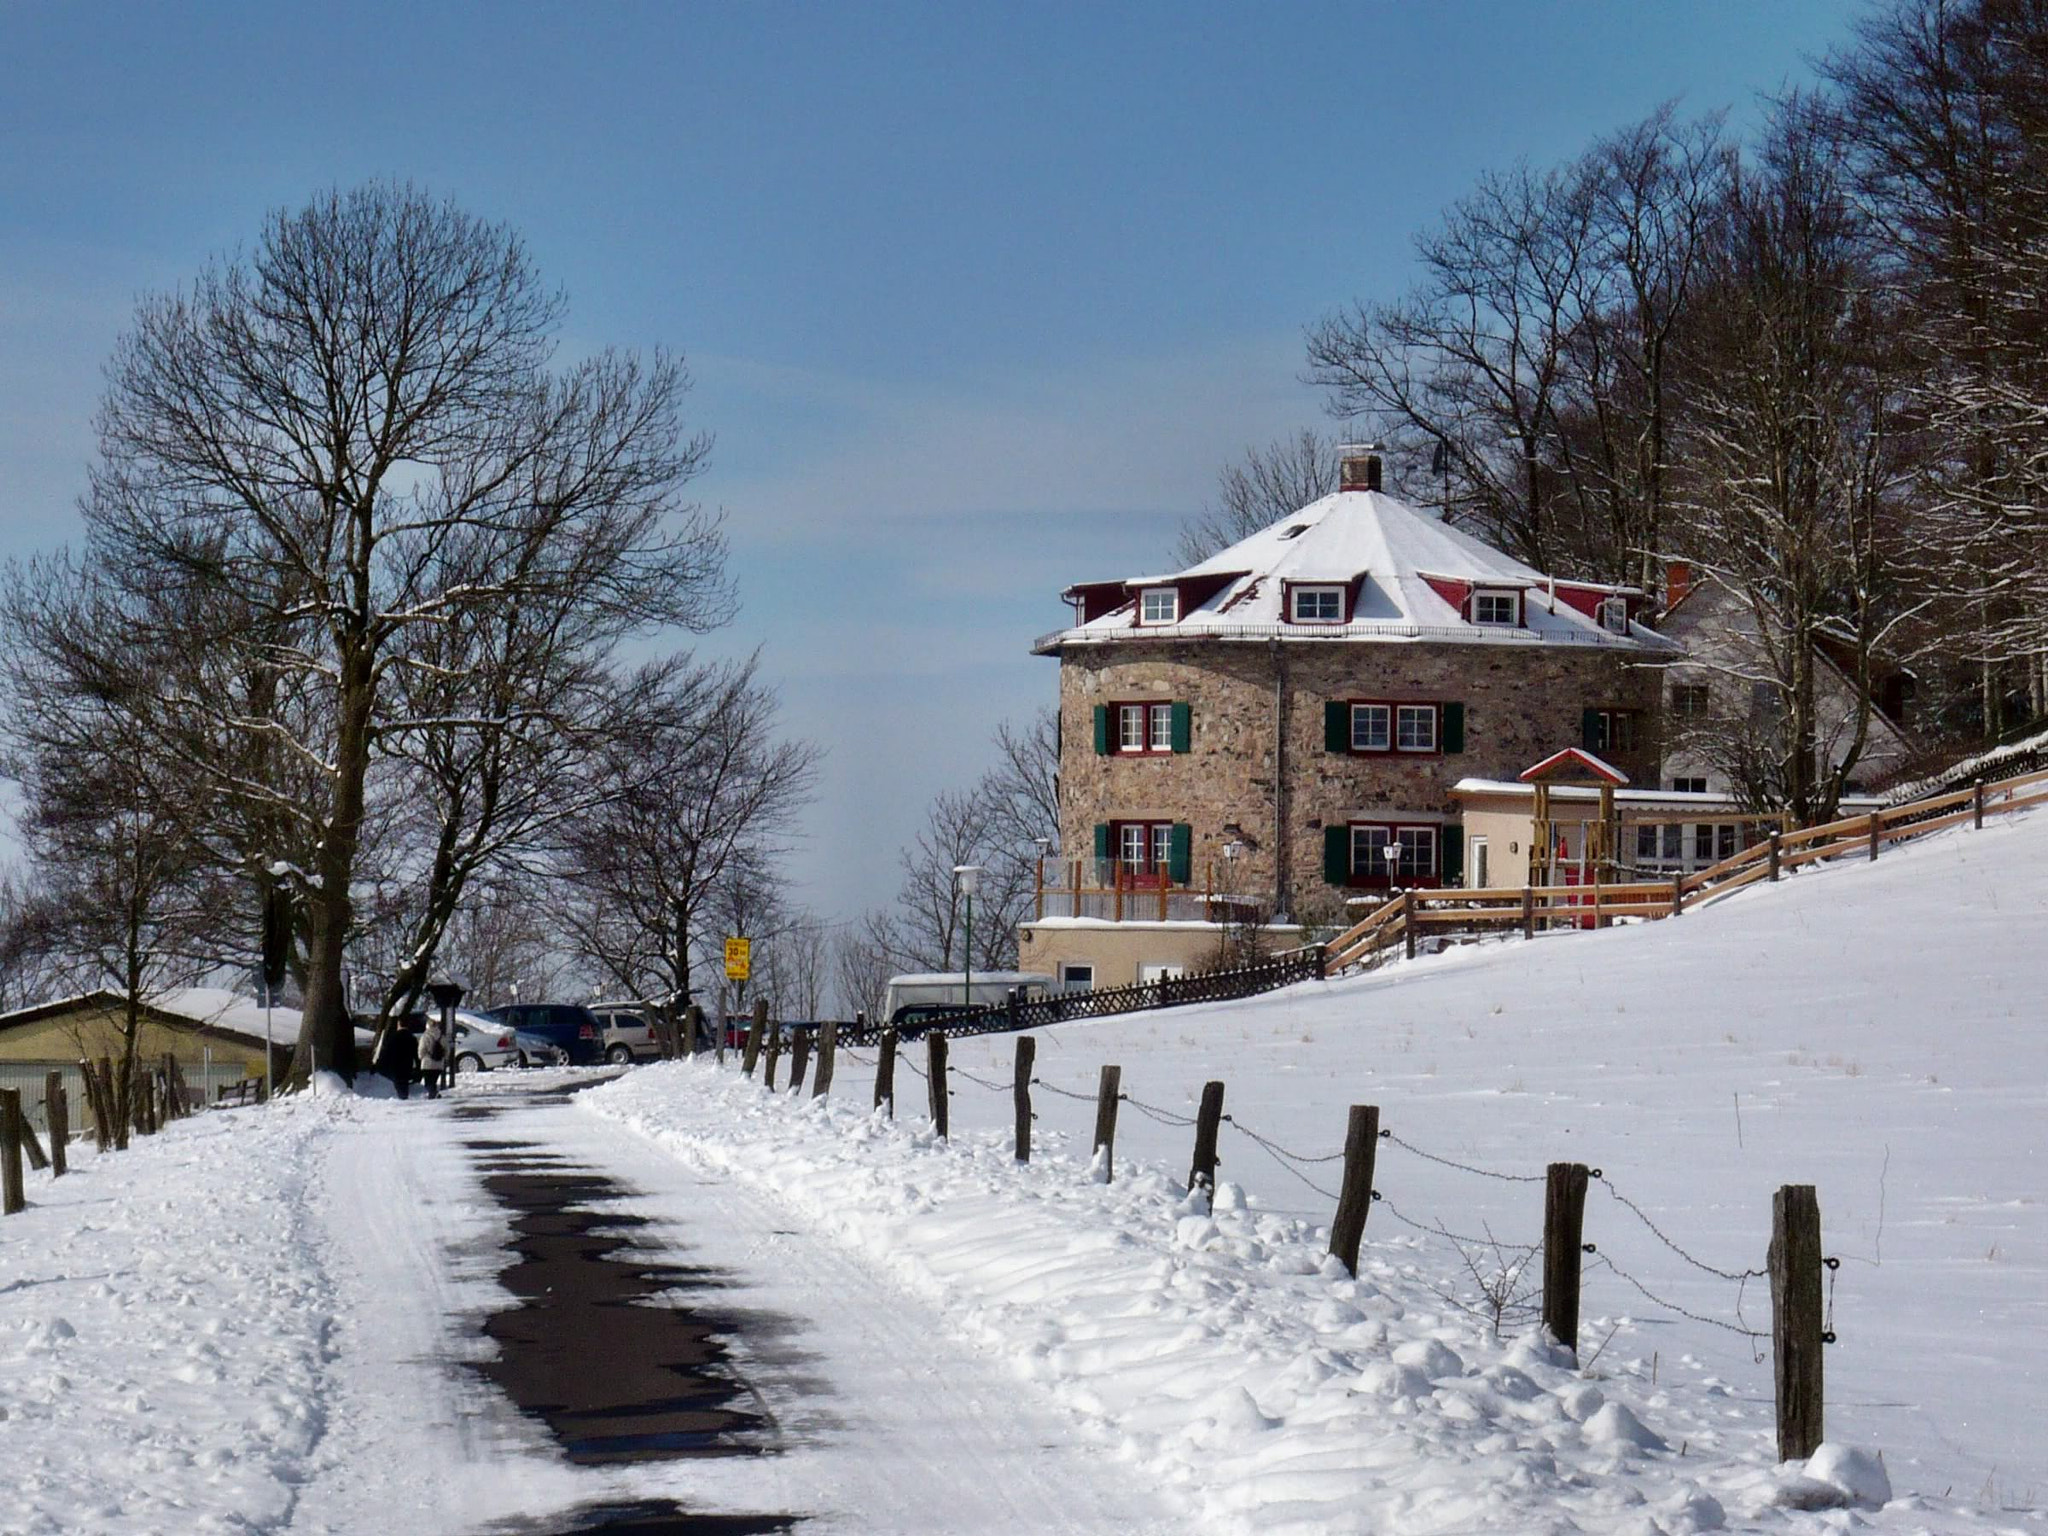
<point>1130,727</point>
<point>1478,863</point>
<point>1335,594</point>
<point>1077,978</point>
<point>1413,840</point>
<point>1614,615</point>
<point>1169,600</point>
<point>1404,714</point>
<point>1385,713</point>
<point>1513,600</point>
<point>1159,727</point>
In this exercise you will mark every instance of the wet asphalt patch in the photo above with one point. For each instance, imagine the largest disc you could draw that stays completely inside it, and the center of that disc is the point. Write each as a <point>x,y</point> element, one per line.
<point>623,1353</point>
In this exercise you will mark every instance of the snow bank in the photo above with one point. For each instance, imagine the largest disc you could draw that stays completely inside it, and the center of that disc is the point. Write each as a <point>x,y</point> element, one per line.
<point>1223,1352</point>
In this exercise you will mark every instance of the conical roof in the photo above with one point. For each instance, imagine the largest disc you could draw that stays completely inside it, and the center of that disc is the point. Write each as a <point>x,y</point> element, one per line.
<point>1405,575</point>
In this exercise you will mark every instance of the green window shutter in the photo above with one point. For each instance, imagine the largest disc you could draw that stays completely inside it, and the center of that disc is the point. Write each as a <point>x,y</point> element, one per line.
<point>1454,728</point>
<point>1337,854</point>
<point>1102,730</point>
<point>1591,737</point>
<point>1183,726</point>
<point>1180,855</point>
<point>1336,726</point>
<point>1102,839</point>
<point>1450,846</point>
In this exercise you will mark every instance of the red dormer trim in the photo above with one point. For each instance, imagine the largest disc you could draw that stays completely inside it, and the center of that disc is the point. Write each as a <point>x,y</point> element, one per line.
<point>1456,593</point>
<point>1586,599</point>
<point>1096,598</point>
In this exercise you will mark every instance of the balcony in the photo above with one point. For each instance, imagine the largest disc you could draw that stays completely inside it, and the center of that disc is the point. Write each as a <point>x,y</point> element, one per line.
<point>1109,890</point>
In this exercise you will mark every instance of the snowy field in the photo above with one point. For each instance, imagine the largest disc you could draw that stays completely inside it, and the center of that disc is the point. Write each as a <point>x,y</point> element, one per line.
<point>258,1320</point>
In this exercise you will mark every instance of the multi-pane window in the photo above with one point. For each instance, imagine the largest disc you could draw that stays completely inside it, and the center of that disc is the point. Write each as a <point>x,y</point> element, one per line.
<point>1159,605</point>
<point>1610,730</point>
<point>1372,727</point>
<point>1694,784</point>
<point>1415,726</point>
<point>1415,850</point>
<point>1145,847</point>
<point>1614,614</point>
<point>1316,605</point>
<point>1495,608</point>
<point>1689,701</point>
<point>1144,727</point>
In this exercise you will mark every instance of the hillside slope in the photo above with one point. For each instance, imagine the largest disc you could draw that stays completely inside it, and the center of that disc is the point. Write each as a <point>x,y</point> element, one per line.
<point>1875,1030</point>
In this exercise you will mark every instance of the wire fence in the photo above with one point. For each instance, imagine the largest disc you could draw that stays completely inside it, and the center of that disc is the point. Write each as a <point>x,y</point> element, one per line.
<point>1499,1267</point>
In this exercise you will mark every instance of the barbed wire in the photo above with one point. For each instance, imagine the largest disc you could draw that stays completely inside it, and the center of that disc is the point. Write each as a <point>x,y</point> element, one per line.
<point>1438,1229</point>
<point>1448,1162</point>
<point>1275,1147</point>
<point>1738,1275</point>
<point>1085,1098</point>
<point>1163,1116</point>
<point>1741,1329</point>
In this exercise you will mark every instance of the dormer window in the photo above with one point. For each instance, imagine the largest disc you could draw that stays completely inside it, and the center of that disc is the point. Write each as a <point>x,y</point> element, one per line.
<point>1159,605</point>
<point>1501,609</point>
<point>1315,605</point>
<point>1614,615</point>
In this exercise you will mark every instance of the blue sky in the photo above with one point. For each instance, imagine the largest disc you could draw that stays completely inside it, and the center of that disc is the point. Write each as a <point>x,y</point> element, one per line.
<point>978,299</point>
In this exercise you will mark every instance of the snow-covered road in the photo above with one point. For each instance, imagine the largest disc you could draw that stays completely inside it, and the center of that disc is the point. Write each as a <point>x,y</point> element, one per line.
<point>266,1321</point>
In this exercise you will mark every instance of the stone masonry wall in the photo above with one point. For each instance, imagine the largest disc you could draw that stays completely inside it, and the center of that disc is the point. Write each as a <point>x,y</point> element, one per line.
<point>1522,703</point>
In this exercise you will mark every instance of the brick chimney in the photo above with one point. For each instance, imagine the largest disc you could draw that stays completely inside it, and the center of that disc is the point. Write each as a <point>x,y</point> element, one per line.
<point>1677,582</point>
<point>1360,467</point>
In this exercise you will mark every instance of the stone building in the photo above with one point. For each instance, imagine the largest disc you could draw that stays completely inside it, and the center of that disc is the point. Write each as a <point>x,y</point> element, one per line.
<point>1259,732</point>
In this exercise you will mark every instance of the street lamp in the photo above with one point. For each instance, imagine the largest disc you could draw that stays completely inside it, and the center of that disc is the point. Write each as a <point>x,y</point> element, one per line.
<point>1392,854</point>
<point>968,878</point>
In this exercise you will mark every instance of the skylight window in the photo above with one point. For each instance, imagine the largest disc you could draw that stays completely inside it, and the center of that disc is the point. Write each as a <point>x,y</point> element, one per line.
<point>1295,532</point>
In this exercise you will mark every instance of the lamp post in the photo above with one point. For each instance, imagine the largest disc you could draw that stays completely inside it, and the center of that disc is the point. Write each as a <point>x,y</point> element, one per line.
<point>446,993</point>
<point>1392,854</point>
<point>968,878</point>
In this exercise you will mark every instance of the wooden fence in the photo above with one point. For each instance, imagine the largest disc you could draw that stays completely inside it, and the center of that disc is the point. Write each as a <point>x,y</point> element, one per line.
<point>1062,1007</point>
<point>1401,922</point>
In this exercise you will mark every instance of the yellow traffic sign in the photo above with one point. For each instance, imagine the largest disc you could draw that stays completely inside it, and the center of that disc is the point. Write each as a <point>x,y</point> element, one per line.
<point>739,959</point>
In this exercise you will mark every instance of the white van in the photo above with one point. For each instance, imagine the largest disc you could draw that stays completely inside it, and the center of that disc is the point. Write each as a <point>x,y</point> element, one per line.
<point>925,994</point>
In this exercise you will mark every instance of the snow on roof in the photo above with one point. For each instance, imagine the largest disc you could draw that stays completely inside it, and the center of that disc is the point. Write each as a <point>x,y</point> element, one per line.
<point>1386,551</point>
<point>1578,758</point>
<point>213,1006</point>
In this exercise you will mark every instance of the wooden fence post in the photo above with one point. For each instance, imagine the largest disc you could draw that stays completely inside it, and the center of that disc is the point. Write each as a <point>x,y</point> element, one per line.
<point>1977,803</point>
<point>1408,921</point>
<point>11,1197</point>
<point>32,1145</point>
<point>1354,1195</point>
<point>799,1060</point>
<point>1775,855</point>
<point>752,1055</point>
<point>1564,1228</point>
<point>828,1052</point>
<point>1795,1263</point>
<point>57,1113</point>
<point>1528,912</point>
<point>771,1053</point>
<point>1208,1121</point>
<point>1678,895</point>
<point>1105,1119</point>
<point>935,1081</point>
<point>1876,826</point>
<point>885,1072</point>
<point>1020,1093</point>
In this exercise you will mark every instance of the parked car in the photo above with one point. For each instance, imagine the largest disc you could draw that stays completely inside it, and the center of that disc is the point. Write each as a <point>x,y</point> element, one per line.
<point>483,1044</point>
<point>909,1000</point>
<point>625,1033</point>
<point>536,1051</point>
<point>566,1027</point>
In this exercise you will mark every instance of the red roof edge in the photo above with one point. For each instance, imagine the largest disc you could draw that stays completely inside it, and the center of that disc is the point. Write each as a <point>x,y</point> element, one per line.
<point>1577,757</point>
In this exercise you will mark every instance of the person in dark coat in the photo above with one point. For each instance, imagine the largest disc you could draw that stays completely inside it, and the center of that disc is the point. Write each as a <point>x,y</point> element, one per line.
<point>398,1056</point>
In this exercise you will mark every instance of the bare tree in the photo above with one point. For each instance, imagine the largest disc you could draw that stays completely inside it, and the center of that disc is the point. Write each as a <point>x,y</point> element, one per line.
<point>355,436</point>
<point>1258,490</point>
<point>863,958</point>
<point>702,792</point>
<point>1794,459</point>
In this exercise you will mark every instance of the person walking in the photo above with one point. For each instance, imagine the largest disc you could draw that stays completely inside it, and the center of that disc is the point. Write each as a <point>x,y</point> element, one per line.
<point>398,1056</point>
<point>433,1052</point>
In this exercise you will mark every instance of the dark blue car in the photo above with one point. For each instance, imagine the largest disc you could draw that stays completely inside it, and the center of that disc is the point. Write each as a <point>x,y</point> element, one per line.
<point>570,1028</point>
